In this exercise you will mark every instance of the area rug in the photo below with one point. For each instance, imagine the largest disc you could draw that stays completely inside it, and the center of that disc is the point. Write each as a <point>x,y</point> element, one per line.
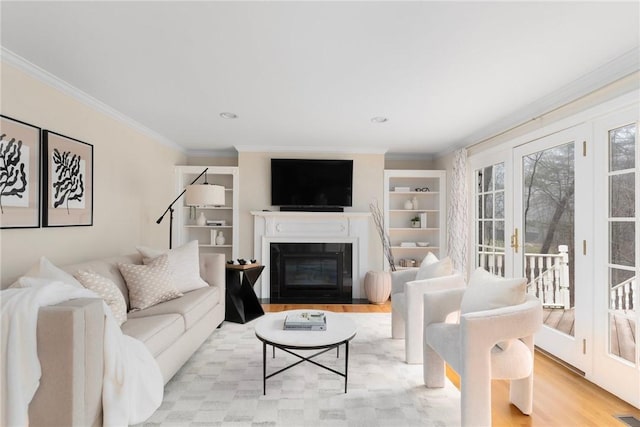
<point>221,385</point>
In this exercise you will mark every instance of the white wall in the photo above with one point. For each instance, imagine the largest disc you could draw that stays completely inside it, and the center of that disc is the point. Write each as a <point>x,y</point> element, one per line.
<point>133,180</point>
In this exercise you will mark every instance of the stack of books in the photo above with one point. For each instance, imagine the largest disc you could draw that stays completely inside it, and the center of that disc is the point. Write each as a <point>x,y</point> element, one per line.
<point>306,321</point>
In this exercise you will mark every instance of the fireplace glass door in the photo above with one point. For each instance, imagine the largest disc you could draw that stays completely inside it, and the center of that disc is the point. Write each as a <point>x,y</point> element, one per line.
<point>311,272</point>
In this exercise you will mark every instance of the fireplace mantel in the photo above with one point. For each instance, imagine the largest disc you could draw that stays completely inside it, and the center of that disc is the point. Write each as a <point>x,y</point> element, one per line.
<point>312,227</point>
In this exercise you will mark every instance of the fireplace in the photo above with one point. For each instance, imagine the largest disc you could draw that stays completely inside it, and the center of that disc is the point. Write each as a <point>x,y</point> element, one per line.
<point>311,272</point>
<point>350,228</point>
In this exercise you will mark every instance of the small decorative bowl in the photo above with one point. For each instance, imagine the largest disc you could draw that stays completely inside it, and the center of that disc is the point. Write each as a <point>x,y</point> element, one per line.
<point>422,244</point>
<point>230,262</point>
<point>253,261</point>
<point>242,261</point>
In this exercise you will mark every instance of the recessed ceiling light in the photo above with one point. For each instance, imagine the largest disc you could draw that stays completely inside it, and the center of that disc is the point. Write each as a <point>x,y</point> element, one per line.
<point>379,119</point>
<point>228,115</point>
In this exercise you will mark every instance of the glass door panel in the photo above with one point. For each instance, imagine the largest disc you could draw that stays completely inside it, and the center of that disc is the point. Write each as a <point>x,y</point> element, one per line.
<point>622,285</point>
<point>553,190</point>
<point>616,315</point>
<point>548,231</point>
<point>490,218</point>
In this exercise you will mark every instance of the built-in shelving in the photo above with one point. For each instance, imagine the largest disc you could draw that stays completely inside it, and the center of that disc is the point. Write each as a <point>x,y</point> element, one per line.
<point>186,227</point>
<point>430,205</point>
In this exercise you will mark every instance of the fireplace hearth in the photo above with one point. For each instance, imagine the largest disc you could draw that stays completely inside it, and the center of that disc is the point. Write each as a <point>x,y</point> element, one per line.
<point>311,272</point>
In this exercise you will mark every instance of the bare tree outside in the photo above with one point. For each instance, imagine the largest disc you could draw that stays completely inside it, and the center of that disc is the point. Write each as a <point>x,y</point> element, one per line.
<point>549,180</point>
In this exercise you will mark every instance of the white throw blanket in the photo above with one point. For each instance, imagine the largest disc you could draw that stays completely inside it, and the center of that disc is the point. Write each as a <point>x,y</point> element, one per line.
<point>132,385</point>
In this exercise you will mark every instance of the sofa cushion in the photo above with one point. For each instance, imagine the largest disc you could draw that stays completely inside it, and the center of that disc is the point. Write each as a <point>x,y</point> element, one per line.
<point>107,290</point>
<point>149,284</point>
<point>184,265</point>
<point>108,267</point>
<point>192,306</point>
<point>156,332</point>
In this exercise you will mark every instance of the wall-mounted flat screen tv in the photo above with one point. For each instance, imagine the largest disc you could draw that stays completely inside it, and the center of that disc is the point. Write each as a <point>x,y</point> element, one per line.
<point>311,182</point>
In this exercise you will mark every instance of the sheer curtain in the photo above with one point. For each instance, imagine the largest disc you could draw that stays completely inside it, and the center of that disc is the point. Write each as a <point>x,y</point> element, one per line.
<point>457,214</point>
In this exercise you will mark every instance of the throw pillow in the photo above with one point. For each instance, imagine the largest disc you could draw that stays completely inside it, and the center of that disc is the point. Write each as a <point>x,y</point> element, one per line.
<point>45,269</point>
<point>149,284</point>
<point>184,265</point>
<point>431,267</point>
<point>487,292</point>
<point>107,290</point>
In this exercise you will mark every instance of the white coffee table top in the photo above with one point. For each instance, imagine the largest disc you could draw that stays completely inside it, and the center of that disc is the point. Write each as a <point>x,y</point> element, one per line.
<point>270,328</point>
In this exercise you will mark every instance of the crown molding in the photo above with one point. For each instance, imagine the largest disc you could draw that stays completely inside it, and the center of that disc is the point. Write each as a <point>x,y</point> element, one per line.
<point>49,79</point>
<point>408,156</point>
<point>213,153</point>
<point>614,70</point>
<point>311,149</point>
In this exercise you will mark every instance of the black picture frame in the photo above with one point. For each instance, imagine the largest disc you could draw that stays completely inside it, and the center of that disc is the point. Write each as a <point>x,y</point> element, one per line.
<point>20,180</point>
<point>67,181</point>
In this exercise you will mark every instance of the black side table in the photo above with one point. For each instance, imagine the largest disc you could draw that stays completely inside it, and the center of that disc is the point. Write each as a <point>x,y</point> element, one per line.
<point>242,304</point>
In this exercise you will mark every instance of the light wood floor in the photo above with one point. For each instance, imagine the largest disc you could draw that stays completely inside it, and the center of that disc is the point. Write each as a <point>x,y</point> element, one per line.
<point>561,397</point>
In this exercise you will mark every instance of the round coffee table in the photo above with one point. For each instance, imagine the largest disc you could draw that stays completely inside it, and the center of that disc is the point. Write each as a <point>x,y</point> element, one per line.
<point>270,330</point>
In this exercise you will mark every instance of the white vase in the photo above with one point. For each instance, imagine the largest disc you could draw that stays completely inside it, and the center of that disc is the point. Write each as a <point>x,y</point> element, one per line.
<point>202,220</point>
<point>408,205</point>
<point>414,203</point>
<point>214,234</point>
<point>377,286</point>
<point>220,239</point>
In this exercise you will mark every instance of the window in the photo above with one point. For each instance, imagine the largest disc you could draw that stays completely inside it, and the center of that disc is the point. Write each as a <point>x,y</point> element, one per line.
<point>489,218</point>
<point>622,217</point>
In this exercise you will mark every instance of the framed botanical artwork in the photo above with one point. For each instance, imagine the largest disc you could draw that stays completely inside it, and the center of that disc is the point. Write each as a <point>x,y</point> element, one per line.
<point>67,181</point>
<point>19,174</point>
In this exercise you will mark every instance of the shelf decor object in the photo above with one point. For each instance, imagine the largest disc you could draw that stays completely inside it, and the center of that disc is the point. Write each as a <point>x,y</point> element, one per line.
<point>197,195</point>
<point>67,181</point>
<point>19,174</point>
<point>220,240</point>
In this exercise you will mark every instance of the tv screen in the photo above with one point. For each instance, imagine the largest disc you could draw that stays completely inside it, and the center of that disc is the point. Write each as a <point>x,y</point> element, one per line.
<point>303,182</point>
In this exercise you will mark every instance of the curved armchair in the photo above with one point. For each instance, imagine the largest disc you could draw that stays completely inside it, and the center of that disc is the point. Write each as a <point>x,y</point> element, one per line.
<point>485,345</point>
<point>406,307</point>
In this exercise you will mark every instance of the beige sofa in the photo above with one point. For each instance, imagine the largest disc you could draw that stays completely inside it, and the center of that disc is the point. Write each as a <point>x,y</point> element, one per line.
<point>70,340</point>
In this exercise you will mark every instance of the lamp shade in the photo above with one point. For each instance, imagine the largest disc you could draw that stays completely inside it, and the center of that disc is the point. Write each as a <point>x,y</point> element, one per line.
<point>205,195</point>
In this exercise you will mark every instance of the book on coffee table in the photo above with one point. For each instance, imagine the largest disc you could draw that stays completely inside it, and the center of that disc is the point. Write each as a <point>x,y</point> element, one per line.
<point>306,321</point>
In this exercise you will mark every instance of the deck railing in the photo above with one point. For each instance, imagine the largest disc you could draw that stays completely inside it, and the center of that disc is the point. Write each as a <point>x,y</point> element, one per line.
<point>493,262</point>
<point>622,294</point>
<point>547,274</point>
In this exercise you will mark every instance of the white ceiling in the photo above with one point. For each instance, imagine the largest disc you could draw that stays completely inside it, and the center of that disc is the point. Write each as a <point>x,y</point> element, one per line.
<point>311,75</point>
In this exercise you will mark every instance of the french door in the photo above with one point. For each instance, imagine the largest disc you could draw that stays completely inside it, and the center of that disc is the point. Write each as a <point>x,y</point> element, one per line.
<point>492,213</point>
<point>564,211</point>
<point>616,313</point>
<point>552,238</point>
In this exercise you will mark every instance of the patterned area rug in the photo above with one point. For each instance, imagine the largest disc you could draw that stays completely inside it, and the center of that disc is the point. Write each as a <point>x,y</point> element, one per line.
<point>221,385</point>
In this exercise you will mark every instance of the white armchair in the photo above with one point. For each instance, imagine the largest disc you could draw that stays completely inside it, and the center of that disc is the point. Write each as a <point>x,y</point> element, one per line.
<point>488,344</point>
<point>406,307</point>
